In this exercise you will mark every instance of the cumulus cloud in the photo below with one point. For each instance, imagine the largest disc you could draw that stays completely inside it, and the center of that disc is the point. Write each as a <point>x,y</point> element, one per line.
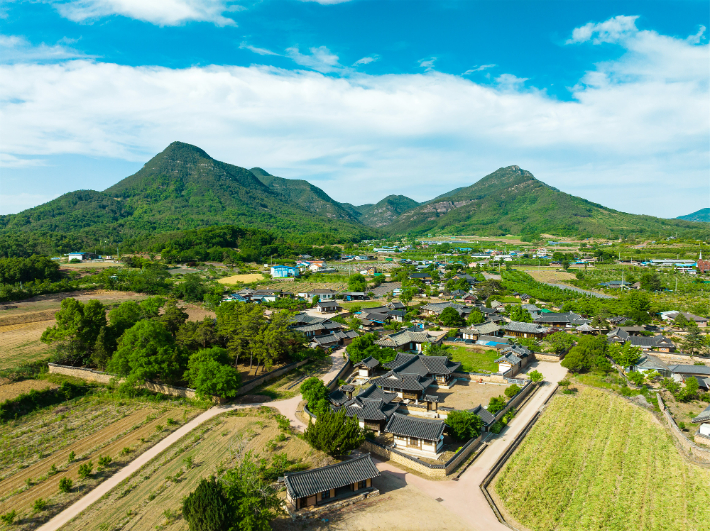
<point>638,124</point>
<point>15,48</point>
<point>366,60</point>
<point>612,30</point>
<point>162,12</point>
<point>320,59</point>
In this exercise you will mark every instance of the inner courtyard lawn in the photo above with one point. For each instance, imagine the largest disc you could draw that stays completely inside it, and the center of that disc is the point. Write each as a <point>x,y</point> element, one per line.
<point>475,360</point>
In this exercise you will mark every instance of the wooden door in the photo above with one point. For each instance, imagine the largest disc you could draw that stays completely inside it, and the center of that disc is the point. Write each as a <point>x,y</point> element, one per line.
<point>310,501</point>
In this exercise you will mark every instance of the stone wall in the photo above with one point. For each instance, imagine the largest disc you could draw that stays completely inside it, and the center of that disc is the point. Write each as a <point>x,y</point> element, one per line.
<point>702,439</point>
<point>700,453</point>
<point>539,356</point>
<point>256,382</point>
<point>677,359</point>
<point>481,378</point>
<point>103,377</point>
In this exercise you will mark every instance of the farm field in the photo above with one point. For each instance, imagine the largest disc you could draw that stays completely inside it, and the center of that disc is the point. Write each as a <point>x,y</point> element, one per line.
<point>245,278</point>
<point>547,275</point>
<point>151,498</point>
<point>475,359</point>
<point>595,461</point>
<point>299,287</point>
<point>10,390</point>
<point>21,344</point>
<point>53,301</point>
<point>90,427</point>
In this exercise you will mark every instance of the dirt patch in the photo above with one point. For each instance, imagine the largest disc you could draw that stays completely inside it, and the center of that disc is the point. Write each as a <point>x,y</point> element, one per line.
<point>53,301</point>
<point>467,395</point>
<point>21,343</point>
<point>235,279</point>
<point>9,391</point>
<point>198,313</point>
<point>550,275</point>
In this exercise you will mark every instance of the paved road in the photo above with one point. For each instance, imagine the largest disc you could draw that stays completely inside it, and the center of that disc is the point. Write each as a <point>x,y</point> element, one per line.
<point>285,407</point>
<point>464,497</point>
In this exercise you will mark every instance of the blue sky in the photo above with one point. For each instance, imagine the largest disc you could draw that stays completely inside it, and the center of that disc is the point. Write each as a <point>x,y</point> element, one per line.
<point>605,100</point>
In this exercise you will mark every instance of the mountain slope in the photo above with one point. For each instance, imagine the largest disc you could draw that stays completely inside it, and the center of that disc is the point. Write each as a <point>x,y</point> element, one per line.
<point>386,211</point>
<point>513,201</point>
<point>182,188</point>
<point>701,215</point>
<point>303,194</point>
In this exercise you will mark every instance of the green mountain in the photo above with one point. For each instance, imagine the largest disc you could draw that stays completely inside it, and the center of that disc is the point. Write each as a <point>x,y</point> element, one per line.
<point>305,196</point>
<point>701,215</point>
<point>512,201</point>
<point>386,211</point>
<point>184,188</point>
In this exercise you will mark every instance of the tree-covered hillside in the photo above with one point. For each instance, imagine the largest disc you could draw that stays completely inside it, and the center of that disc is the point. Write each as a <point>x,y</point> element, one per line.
<point>386,211</point>
<point>512,201</point>
<point>701,215</point>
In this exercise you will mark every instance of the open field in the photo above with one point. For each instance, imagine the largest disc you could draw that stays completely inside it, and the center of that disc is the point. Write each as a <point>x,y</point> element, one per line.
<point>249,277</point>
<point>21,344</point>
<point>595,461</point>
<point>475,359</point>
<point>362,304</point>
<point>547,275</point>
<point>151,499</point>
<point>10,390</point>
<point>53,301</point>
<point>467,395</point>
<point>89,427</point>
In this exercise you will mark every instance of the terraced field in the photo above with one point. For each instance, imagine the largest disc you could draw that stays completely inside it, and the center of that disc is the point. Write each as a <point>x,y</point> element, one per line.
<point>595,461</point>
<point>36,451</point>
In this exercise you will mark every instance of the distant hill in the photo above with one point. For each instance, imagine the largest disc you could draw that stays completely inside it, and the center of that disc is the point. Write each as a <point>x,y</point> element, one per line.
<point>386,211</point>
<point>184,188</point>
<point>512,201</point>
<point>701,215</point>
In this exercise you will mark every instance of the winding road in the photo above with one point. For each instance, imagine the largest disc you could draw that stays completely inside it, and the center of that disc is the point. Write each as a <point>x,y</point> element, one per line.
<point>462,497</point>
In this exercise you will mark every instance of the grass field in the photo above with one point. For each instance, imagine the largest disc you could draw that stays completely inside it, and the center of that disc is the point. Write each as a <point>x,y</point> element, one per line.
<point>92,426</point>
<point>595,461</point>
<point>362,304</point>
<point>289,385</point>
<point>249,277</point>
<point>151,499</point>
<point>475,359</point>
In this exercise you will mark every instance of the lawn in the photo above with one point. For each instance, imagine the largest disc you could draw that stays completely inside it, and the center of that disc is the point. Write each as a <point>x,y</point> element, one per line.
<point>475,359</point>
<point>91,426</point>
<point>595,461</point>
<point>362,304</point>
<point>151,499</point>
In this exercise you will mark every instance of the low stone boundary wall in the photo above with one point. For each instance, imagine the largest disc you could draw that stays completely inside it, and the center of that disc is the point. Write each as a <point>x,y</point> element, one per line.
<point>678,359</point>
<point>539,356</point>
<point>256,382</point>
<point>480,377</point>
<point>318,511</point>
<point>516,400</point>
<point>92,375</point>
<point>702,439</point>
<point>702,454</point>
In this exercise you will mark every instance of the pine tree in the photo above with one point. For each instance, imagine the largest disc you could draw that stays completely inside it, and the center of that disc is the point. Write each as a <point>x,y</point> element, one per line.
<point>334,433</point>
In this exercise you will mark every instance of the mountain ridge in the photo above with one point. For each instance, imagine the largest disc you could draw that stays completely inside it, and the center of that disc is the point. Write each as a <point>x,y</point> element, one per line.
<point>701,216</point>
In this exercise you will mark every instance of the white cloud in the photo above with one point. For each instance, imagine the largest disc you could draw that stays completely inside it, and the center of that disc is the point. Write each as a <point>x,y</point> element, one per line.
<point>698,37</point>
<point>13,203</point>
<point>10,161</point>
<point>638,125</point>
<point>160,12</point>
<point>260,51</point>
<point>477,69</point>
<point>612,30</point>
<point>320,59</point>
<point>366,60</point>
<point>15,48</point>
<point>427,64</point>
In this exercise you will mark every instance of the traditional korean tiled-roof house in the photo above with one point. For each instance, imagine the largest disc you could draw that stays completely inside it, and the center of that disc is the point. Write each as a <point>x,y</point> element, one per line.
<point>415,435</point>
<point>486,416</point>
<point>331,483</point>
<point>410,375</point>
<point>704,420</point>
<point>408,340</point>
<point>652,363</point>
<point>700,321</point>
<point>565,320</point>
<point>366,368</point>
<point>484,329</point>
<point>660,343</point>
<point>509,361</point>
<point>373,407</point>
<point>337,339</point>
<point>518,329</point>
<point>341,395</point>
<point>315,326</point>
<point>435,308</point>
<point>684,370</point>
<point>328,307</point>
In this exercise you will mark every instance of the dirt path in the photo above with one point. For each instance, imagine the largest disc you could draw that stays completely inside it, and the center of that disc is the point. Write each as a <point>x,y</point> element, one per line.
<point>464,497</point>
<point>285,407</point>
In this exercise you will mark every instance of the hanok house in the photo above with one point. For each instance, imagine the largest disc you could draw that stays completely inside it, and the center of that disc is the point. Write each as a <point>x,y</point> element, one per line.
<point>531,330</point>
<point>408,340</point>
<point>659,343</point>
<point>337,339</point>
<point>474,332</point>
<point>700,321</point>
<point>331,483</point>
<point>513,358</point>
<point>652,363</point>
<point>328,307</point>
<point>419,436</point>
<point>686,371</point>
<point>486,416</point>
<point>704,420</point>
<point>373,407</point>
<point>366,368</point>
<point>561,320</point>
<point>410,375</point>
<point>312,326</point>
<point>435,308</point>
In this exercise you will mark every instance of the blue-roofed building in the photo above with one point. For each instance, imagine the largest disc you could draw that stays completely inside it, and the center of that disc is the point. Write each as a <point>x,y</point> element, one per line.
<point>283,271</point>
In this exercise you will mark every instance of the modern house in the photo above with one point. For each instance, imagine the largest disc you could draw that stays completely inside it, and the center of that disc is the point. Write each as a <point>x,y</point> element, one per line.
<point>283,271</point>
<point>408,340</point>
<point>415,435</point>
<point>685,371</point>
<point>319,486</point>
<point>525,330</point>
<point>354,296</point>
<point>323,294</point>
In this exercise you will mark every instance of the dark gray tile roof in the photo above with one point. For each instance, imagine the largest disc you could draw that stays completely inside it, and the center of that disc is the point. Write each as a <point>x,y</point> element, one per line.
<point>409,426</point>
<point>530,328</point>
<point>338,397</point>
<point>405,382</point>
<point>519,350</point>
<point>701,370</point>
<point>483,329</point>
<point>431,398</point>
<point>510,358</point>
<point>652,362</point>
<point>310,482</point>
<point>403,337</point>
<point>703,417</point>
<point>486,416</point>
<point>371,404</point>
<point>368,362</point>
<point>422,365</point>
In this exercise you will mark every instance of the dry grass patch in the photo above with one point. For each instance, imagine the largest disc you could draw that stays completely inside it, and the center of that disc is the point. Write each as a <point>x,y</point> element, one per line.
<point>21,343</point>
<point>596,461</point>
<point>550,275</point>
<point>244,278</point>
<point>10,390</point>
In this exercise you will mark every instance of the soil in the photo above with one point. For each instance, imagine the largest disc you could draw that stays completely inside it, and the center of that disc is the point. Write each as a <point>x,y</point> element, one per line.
<point>467,395</point>
<point>234,279</point>
<point>21,343</point>
<point>550,275</point>
<point>15,389</point>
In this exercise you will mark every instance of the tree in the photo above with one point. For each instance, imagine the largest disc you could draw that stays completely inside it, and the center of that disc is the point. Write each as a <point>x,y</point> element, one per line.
<point>693,342</point>
<point>576,361</point>
<point>357,282</point>
<point>147,351</point>
<point>464,425</point>
<point>650,281</point>
<point>560,342</point>
<point>451,317</point>
<point>334,433</point>
<point>436,349</point>
<point>535,376</point>
<point>636,377</point>
<point>511,391</point>
<point>316,394</point>
<point>517,313</point>
<point>364,346</point>
<point>627,356</point>
<point>239,323</point>
<point>207,507</point>
<point>103,348</point>
<point>209,372</point>
<point>76,330</point>
<point>690,391</point>
<point>123,317</point>
<point>173,316</point>
<point>589,354</point>
<point>406,296</point>
<point>496,404</point>
<point>475,317</point>
<point>637,306</point>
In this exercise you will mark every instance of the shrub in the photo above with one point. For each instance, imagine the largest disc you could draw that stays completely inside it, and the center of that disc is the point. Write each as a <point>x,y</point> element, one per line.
<point>9,518</point>
<point>39,505</point>
<point>207,507</point>
<point>52,470</point>
<point>34,400</point>
<point>126,450</point>
<point>189,461</point>
<point>636,377</point>
<point>536,376</point>
<point>65,485</point>
<point>85,469</point>
<point>464,424</point>
<point>72,456</point>
<point>496,404</point>
<point>511,391</point>
<point>334,433</point>
<point>104,461</point>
